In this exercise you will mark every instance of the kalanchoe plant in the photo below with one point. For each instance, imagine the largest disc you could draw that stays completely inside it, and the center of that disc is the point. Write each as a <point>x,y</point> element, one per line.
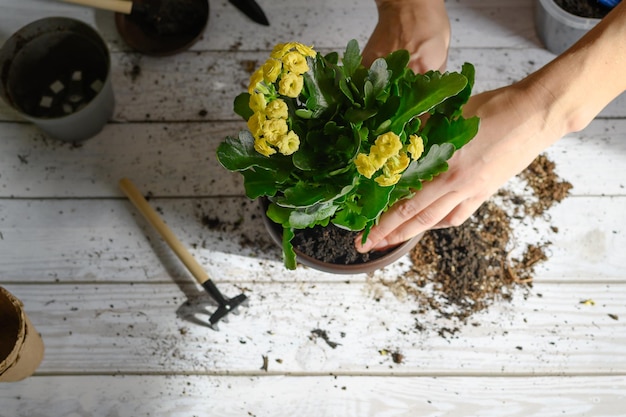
<point>330,140</point>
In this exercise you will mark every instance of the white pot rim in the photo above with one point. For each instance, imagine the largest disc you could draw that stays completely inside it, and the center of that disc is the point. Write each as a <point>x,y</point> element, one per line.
<point>567,18</point>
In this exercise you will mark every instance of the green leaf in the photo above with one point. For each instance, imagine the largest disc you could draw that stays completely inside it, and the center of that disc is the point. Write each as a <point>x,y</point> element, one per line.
<point>260,182</point>
<point>289,255</point>
<point>238,154</point>
<point>429,166</point>
<point>374,198</point>
<point>242,106</point>
<point>452,107</point>
<point>458,131</point>
<point>351,58</point>
<point>378,78</point>
<point>349,219</point>
<point>424,93</point>
<point>319,213</point>
<point>397,62</point>
<point>354,115</point>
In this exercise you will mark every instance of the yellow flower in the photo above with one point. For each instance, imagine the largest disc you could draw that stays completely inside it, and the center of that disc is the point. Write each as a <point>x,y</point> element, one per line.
<point>262,147</point>
<point>416,146</point>
<point>255,79</point>
<point>305,50</point>
<point>386,181</point>
<point>290,85</point>
<point>271,70</point>
<point>386,145</point>
<point>281,49</point>
<point>273,129</point>
<point>276,109</point>
<point>289,143</point>
<point>396,164</point>
<point>257,102</point>
<point>295,62</point>
<point>365,166</point>
<point>255,124</point>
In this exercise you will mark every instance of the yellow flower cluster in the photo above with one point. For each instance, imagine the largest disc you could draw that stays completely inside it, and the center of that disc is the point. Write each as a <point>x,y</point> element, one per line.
<point>389,154</point>
<point>268,124</point>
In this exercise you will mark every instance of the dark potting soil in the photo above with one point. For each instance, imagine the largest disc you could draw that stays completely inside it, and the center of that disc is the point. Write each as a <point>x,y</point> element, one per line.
<point>332,245</point>
<point>170,17</point>
<point>584,8</point>
<point>63,81</point>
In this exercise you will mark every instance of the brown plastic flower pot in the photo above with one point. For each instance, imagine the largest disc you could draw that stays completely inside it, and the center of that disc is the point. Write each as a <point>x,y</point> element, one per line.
<point>55,72</point>
<point>21,347</point>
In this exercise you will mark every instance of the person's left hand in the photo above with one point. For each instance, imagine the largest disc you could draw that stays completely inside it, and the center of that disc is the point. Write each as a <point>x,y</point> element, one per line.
<point>421,27</point>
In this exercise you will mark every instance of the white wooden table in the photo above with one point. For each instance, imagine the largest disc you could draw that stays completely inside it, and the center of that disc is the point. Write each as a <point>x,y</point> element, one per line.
<point>104,290</point>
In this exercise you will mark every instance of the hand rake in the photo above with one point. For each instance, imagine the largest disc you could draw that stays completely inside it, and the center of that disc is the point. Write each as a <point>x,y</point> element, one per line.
<point>225,305</point>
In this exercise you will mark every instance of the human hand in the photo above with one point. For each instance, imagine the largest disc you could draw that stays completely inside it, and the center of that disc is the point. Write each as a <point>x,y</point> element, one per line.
<point>421,27</point>
<point>513,131</point>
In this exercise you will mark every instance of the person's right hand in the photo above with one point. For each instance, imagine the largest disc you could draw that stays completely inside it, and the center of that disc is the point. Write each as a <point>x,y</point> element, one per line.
<point>421,27</point>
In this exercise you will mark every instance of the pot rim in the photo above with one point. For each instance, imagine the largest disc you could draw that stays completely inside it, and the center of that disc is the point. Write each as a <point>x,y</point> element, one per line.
<point>567,18</point>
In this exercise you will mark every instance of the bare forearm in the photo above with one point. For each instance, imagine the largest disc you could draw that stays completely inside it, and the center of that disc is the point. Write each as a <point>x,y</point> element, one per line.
<point>579,83</point>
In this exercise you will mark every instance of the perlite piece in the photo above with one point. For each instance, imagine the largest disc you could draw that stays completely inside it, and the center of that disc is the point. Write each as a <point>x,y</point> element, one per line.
<point>46,101</point>
<point>96,85</point>
<point>57,86</point>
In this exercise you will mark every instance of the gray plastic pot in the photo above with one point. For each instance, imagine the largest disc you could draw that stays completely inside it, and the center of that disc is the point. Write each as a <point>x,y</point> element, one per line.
<point>558,29</point>
<point>56,73</point>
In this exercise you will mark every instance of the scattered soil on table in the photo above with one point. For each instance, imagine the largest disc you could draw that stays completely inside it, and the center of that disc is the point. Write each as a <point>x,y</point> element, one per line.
<point>584,8</point>
<point>457,272</point>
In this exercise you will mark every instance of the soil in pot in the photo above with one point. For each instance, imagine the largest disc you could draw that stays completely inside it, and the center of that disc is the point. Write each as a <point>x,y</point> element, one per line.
<point>314,243</point>
<point>584,8</point>
<point>64,80</point>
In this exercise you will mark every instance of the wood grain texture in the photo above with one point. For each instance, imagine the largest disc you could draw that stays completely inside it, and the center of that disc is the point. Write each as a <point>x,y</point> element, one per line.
<point>279,396</point>
<point>119,313</point>
<point>148,328</point>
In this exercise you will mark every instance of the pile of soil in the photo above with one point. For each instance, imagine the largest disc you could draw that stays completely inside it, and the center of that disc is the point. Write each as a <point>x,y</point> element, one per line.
<point>584,8</point>
<point>457,272</point>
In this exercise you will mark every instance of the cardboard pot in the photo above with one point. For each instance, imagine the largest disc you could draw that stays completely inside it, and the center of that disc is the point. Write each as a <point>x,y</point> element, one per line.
<point>21,347</point>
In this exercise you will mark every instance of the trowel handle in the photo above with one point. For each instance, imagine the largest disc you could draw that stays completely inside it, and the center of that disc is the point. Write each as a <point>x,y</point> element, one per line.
<point>155,220</point>
<point>120,6</point>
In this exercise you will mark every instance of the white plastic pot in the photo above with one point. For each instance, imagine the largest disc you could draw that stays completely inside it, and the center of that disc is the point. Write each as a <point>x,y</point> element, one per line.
<point>558,29</point>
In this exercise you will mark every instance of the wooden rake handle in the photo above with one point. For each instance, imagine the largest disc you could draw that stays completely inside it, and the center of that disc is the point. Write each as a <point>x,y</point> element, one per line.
<point>121,6</point>
<point>135,196</point>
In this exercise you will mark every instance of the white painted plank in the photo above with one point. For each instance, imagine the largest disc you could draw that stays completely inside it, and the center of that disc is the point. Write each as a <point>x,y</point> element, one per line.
<point>178,159</point>
<point>278,396</point>
<point>325,24</point>
<point>202,86</point>
<point>105,240</point>
<point>125,328</point>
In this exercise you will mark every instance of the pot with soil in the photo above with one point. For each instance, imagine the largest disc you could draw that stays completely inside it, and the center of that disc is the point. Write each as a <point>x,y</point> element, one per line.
<point>333,145</point>
<point>55,72</point>
<point>560,23</point>
<point>163,27</point>
<point>21,347</point>
<point>331,249</point>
